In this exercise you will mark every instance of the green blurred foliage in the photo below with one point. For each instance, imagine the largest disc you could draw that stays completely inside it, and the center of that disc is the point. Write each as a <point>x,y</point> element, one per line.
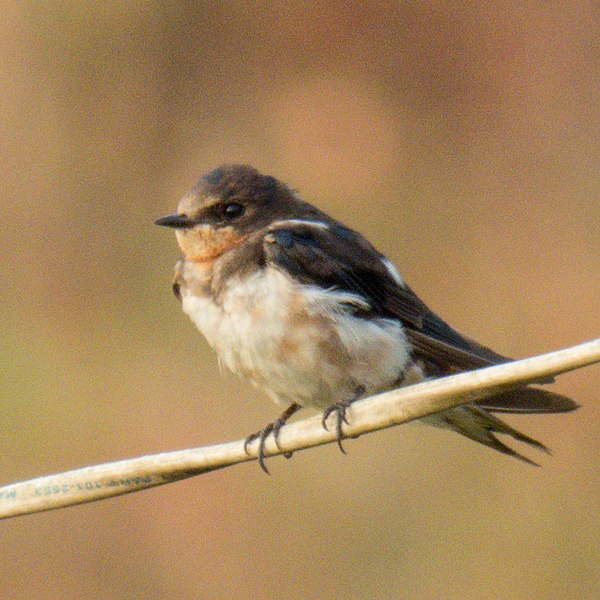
<point>460,137</point>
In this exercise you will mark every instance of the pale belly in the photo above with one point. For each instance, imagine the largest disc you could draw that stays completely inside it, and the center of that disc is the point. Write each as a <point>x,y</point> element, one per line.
<point>300,344</point>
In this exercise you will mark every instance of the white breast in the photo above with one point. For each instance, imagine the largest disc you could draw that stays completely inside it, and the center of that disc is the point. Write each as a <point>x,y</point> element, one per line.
<point>300,343</point>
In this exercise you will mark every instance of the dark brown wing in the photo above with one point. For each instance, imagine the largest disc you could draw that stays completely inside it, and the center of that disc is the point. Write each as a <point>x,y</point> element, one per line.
<point>332,256</point>
<point>339,258</point>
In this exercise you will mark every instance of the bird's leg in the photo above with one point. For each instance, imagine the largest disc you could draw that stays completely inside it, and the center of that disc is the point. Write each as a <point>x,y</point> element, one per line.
<point>273,428</point>
<point>340,408</point>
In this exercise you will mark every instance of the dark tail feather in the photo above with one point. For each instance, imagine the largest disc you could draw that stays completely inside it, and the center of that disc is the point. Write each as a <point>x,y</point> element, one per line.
<point>528,400</point>
<point>480,426</point>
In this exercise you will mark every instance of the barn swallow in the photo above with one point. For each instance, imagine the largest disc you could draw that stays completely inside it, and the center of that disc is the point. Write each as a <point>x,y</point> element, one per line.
<point>308,310</point>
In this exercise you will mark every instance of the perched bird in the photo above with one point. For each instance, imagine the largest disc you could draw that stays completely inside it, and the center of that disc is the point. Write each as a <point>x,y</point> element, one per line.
<point>305,308</point>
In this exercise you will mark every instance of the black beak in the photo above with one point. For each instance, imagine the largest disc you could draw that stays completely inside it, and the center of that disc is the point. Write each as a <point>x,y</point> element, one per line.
<point>175,221</point>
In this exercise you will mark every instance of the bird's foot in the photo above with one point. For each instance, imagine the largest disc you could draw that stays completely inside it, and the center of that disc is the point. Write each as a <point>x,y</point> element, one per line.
<point>340,409</point>
<point>271,428</point>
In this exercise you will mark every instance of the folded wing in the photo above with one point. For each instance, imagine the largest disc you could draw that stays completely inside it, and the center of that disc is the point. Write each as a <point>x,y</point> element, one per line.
<point>331,256</point>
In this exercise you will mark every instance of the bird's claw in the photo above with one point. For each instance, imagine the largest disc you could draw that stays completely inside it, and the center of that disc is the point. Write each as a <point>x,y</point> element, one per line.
<point>263,434</point>
<point>340,409</point>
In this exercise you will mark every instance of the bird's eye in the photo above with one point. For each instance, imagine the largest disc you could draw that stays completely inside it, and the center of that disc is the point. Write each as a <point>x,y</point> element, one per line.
<point>233,210</point>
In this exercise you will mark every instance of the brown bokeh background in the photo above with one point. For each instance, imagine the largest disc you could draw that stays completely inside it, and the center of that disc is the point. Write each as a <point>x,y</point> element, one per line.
<point>461,138</point>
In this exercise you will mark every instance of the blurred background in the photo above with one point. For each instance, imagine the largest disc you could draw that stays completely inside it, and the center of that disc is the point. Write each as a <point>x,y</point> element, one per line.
<point>461,138</point>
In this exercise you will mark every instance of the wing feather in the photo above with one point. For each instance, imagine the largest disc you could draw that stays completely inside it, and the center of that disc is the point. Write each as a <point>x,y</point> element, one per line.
<point>335,257</point>
<point>339,258</point>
